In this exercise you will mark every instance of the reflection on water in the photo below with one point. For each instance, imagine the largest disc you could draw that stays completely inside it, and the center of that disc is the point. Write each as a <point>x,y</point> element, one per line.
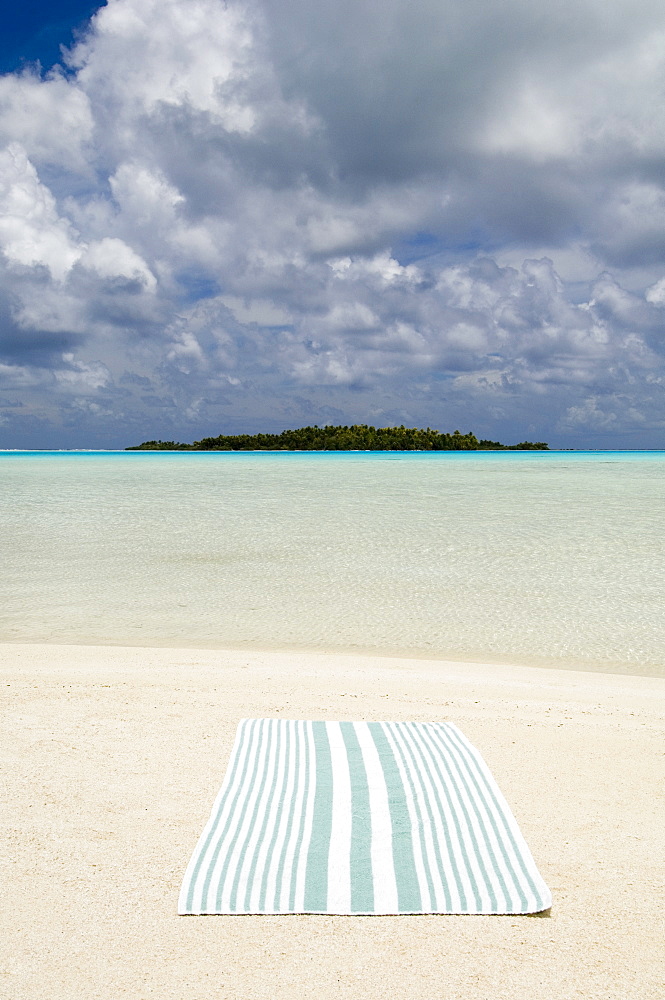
<point>535,558</point>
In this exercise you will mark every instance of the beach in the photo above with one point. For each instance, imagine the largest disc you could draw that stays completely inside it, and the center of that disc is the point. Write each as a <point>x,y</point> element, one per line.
<point>113,755</point>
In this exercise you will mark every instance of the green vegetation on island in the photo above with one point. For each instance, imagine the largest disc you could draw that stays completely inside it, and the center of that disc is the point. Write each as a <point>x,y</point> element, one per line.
<point>357,437</point>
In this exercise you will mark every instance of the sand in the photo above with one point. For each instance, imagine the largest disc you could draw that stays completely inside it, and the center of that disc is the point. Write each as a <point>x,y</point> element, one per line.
<point>111,758</point>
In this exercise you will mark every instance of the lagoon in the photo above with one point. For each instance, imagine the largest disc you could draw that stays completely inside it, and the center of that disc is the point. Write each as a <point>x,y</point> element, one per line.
<point>535,558</point>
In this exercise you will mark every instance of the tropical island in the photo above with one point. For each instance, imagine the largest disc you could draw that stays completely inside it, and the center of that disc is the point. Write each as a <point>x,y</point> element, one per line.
<point>357,437</point>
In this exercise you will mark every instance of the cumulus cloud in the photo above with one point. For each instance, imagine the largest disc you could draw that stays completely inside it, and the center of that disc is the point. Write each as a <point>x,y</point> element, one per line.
<point>248,214</point>
<point>112,259</point>
<point>31,231</point>
<point>49,117</point>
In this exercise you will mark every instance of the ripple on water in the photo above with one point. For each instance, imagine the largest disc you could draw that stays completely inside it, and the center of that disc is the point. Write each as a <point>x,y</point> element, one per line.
<point>535,559</point>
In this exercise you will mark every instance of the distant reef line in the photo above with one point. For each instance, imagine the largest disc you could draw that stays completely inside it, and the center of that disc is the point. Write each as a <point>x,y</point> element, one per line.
<point>356,437</point>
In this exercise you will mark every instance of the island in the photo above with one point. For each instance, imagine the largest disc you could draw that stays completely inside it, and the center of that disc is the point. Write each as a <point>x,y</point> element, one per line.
<point>357,437</point>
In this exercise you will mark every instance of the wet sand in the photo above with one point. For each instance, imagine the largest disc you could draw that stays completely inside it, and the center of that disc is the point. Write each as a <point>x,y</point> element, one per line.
<point>111,758</point>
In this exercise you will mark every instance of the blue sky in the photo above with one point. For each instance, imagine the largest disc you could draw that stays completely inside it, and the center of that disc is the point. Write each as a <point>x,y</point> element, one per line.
<point>254,215</point>
<point>34,30</point>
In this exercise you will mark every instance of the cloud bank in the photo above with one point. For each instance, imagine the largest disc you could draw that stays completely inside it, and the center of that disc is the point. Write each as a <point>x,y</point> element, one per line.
<point>223,217</point>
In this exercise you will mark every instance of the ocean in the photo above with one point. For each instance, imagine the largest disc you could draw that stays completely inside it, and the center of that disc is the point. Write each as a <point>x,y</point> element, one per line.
<point>537,558</point>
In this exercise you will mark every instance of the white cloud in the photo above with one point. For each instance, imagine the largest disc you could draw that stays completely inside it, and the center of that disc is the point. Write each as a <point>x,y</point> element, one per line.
<point>186,352</point>
<point>534,126</point>
<point>405,211</point>
<point>147,53</point>
<point>110,258</point>
<point>31,231</point>
<point>261,311</point>
<point>51,118</point>
<point>145,195</point>
<point>381,267</point>
<point>656,294</point>
<point>82,377</point>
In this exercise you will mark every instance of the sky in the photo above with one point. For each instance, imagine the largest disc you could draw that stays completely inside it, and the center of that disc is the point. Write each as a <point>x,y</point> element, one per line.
<point>244,216</point>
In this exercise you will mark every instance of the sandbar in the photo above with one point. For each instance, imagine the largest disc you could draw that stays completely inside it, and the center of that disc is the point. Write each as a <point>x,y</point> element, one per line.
<point>111,758</point>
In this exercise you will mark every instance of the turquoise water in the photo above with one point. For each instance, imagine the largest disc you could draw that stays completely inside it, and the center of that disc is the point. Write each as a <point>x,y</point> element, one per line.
<point>535,558</point>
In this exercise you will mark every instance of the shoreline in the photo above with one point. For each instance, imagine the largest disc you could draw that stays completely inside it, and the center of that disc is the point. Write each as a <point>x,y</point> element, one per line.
<point>656,671</point>
<point>113,756</point>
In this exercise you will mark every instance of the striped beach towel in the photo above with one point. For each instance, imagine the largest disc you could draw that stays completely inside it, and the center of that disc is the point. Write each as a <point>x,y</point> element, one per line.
<point>359,818</point>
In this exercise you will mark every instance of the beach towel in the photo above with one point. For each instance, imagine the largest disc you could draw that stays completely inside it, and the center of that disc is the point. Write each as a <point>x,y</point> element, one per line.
<point>359,818</point>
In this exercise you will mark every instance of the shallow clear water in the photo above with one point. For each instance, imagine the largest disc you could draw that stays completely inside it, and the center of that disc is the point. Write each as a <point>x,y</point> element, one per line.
<point>554,558</point>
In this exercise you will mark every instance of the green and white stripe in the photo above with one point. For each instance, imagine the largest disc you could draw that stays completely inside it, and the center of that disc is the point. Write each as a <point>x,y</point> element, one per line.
<point>359,817</point>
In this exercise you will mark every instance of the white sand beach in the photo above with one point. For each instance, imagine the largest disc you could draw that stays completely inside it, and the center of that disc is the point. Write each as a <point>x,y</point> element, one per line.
<point>111,758</point>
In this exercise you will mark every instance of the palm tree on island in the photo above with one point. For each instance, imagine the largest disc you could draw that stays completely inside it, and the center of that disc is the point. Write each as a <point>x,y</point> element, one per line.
<point>356,437</point>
